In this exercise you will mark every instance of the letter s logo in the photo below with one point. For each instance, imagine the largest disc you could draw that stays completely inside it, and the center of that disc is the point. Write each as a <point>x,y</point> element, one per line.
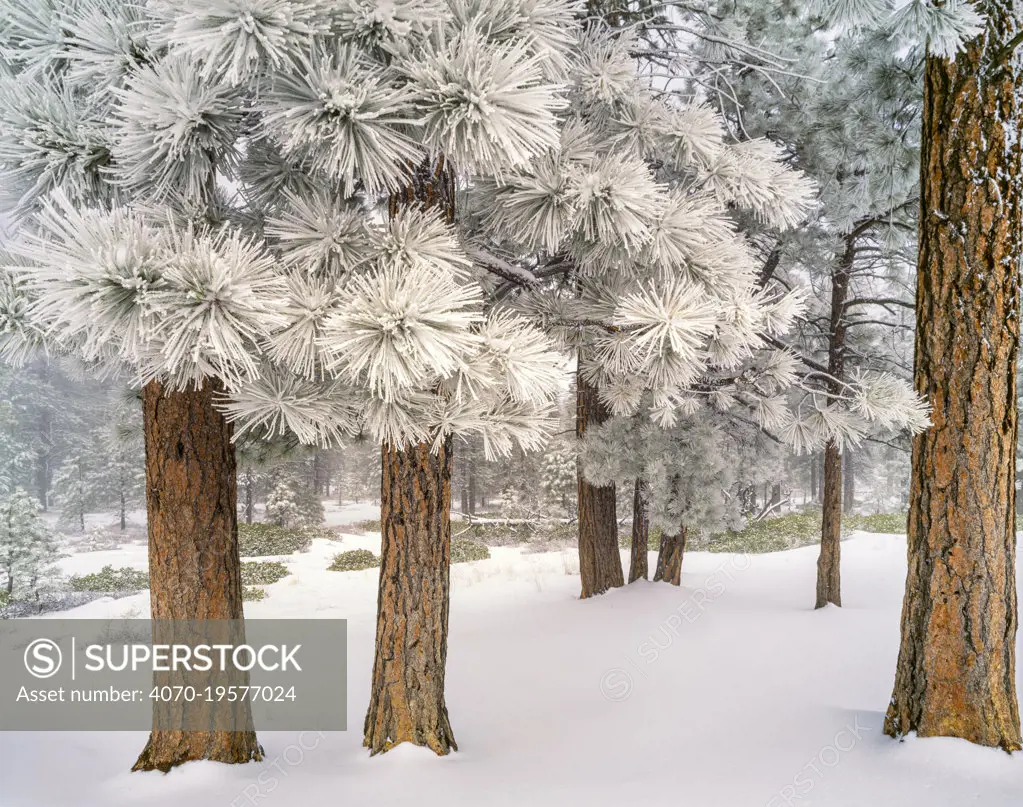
<point>43,658</point>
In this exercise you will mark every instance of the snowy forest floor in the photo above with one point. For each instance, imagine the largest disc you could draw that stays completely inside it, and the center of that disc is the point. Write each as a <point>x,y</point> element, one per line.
<point>728,692</point>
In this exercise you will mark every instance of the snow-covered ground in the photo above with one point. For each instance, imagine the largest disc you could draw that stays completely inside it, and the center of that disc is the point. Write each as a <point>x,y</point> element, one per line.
<point>728,692</point>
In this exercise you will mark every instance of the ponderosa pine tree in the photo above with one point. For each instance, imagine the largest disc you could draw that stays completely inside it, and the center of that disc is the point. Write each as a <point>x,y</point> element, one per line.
<point>28,548</point>
<point>303,313</point>
<point>956,673</point>
<point>119,473</point>
<point>322,322</point>
<point>846,110</point>
<point>637,264</point>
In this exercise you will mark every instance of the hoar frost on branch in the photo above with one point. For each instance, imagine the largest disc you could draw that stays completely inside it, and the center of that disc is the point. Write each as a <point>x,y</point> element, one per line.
<point>291,120</point>
<point>200,191</point>
<point>660,291</point>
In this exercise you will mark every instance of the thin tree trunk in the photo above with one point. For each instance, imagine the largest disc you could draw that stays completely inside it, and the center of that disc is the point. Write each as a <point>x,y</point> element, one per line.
<point>472,483</point>
<point>956,672</point>
<point>600,564</point>
<point>848,482</point>
<point>669,559</point>
<point>194,569</point>
<point>124,511</point>
<point>813,478</point>
<point>640,535</point>
<point>407,695</point>
<point>829,582</point>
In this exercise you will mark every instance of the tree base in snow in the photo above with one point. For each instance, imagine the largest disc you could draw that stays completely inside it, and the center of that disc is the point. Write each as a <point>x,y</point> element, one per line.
<point>638,562</point>
<point>407,697</point>
<point>669,559</point>
<point>168,749</point>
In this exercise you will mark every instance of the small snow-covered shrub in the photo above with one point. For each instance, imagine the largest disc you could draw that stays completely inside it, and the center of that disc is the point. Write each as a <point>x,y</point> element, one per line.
<point>558,477</point>
<point>253,593</point>
<point>465,550</point>
<point>289,504</point>
<point>372,525</point>
<point>28,550</point>
<point>263,572</point>
<point>879,522</point>
<point>110,579</point>
<point>258,540</point>
<point>354,560</point>
<point>769,535</point>
<point>792,531</point>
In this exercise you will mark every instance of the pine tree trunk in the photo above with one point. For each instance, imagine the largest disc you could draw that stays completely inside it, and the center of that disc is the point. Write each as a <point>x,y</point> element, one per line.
<point>669,559</point>
<point>956,668</point>
<point>250,503</point>
<point>407,697</point>
<point>848,482</point>
<point>600,564</point>
<point>640,536</point>
<point>813,478</point>
<point>124,511</point>
<point>829,581</point>
<point>472,485</point>
<point>194,569</point>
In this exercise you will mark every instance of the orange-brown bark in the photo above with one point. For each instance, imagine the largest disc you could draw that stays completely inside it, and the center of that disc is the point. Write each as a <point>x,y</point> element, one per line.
<point>194,569</point>
<point>956,667</point>
<point>407,697</point>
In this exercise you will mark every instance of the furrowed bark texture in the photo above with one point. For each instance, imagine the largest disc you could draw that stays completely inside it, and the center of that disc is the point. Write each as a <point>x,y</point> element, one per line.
<point>194,569</point>
<point>600,564</point>
<point>669,559</point>
<point>829,579</point>
<point>956,668</point>
<point>639,560</point>
<point>407,697</point>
